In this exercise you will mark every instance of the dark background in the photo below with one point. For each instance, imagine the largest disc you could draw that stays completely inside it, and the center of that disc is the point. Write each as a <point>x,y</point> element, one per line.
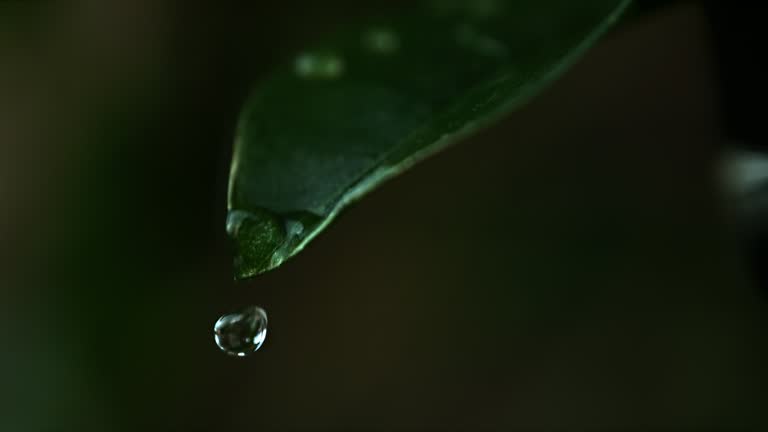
<point>576,266</point>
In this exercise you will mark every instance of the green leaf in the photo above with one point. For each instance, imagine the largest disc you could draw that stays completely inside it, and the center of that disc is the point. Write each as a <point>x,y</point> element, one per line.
<point>361,107</point>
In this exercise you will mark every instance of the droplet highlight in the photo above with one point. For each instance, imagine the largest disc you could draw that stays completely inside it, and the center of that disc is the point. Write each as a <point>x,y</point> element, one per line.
<point>319,66</point>
<point>242,333</point>
<point>381,41</point>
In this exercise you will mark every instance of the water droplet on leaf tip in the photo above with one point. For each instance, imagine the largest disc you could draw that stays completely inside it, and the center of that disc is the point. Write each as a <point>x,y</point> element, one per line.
<point>241,333</point>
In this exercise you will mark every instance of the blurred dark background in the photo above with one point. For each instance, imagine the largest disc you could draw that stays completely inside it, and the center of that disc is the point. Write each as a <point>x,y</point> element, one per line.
<point>577,266</point>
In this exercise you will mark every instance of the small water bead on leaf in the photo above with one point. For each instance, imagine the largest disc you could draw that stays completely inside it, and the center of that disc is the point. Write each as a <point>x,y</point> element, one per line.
<point>256,235</point>
<point>319,65</point>
<point>241,333</point>
<point>263,240</point>
<point>294,231</point>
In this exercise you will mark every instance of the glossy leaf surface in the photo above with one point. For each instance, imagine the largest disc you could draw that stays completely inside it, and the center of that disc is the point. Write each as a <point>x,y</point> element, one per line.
<point>363,106</point>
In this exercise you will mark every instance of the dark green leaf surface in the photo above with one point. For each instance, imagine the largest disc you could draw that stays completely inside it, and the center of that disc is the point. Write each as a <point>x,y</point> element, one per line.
<point>362,107</point>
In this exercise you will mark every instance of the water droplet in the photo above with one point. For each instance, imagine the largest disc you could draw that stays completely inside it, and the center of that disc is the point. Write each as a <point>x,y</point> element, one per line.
<point>381,41</point>
<point>263,240</point>
<point>319,66</point>
<point>294,231</point>
<point>241,333</point>
<point>257,235</point>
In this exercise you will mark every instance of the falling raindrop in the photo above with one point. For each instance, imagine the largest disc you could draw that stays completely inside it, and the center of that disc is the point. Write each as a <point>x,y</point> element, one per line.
<point>241,333</point>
